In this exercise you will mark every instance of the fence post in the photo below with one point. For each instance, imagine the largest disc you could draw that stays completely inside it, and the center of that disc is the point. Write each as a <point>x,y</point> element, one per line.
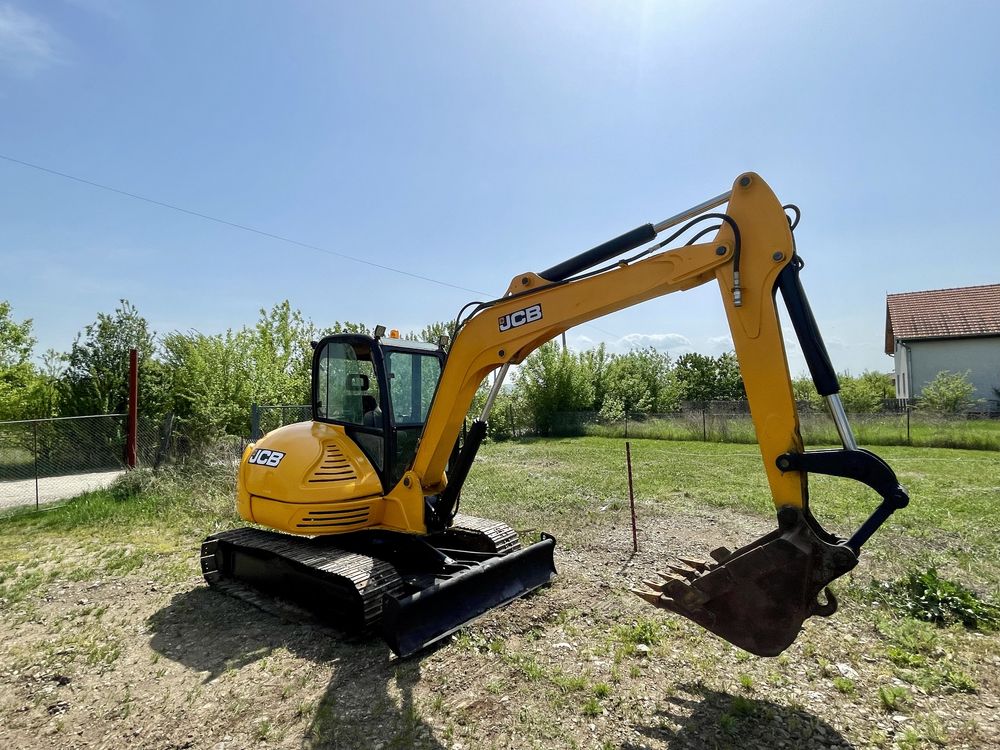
<point>626,424</point>
<point>631,496</point>
<point>34,426</point>
<point>908,440</point>
<point>132,426</point>
<point>254,422</point>
<point>704,424</point>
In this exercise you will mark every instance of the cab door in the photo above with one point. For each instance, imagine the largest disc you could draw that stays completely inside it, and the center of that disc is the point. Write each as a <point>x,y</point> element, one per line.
<point>348,389</point>
<point>413,376</point>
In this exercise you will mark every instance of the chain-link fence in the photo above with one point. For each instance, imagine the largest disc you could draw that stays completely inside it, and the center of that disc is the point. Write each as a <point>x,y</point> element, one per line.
<point>263,419</point>
<point>718,421</point>
<point>730,422</point>
<point>42,460</point>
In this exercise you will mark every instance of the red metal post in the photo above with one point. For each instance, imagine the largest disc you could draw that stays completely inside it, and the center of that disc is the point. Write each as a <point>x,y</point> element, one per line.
<point>631,496</point>
<point>131,454</point>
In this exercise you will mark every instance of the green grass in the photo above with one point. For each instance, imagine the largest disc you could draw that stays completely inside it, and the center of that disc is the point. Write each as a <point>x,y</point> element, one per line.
<point>951,518</point>
<point>894,697</point>
<point>533,484</point>
<point>143,519</point>
<point>925,429</point>
<point>184,498</point>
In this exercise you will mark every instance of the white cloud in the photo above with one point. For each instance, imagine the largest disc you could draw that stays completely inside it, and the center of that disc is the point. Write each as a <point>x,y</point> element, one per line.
<point>720,344</point>
<point>27,43</point>
<point>661,341</point>
<point>673,344</point>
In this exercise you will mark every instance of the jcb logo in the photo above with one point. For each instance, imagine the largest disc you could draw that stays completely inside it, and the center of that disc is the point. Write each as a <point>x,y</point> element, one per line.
<point>264,457</point>
<point>519,318</point>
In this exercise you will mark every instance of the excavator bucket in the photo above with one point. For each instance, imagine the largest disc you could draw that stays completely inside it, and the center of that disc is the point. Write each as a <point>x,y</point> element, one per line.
<point>758,596</point>
<point>411,623</point>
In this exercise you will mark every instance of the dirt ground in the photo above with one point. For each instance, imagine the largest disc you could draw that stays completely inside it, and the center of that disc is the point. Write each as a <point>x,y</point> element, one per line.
<point>150,657</point>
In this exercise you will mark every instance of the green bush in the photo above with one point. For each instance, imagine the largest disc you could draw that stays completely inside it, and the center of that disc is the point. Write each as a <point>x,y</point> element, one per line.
<point>924,595</point>
<point>948,393</point>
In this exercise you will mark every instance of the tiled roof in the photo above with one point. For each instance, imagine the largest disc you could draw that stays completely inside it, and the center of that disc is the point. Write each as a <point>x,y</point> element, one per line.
<point>942,313</point>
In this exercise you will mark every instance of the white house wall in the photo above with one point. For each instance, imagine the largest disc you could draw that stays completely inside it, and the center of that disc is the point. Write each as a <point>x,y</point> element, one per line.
<point>981,356</point>
<point>901,366</point>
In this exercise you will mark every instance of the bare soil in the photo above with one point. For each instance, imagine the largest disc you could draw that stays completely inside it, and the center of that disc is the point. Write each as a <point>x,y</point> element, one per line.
<point>152,658</point>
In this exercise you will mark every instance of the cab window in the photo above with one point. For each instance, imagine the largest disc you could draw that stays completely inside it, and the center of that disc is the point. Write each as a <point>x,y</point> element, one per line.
<point>413,378</point>
<point>346,387</point>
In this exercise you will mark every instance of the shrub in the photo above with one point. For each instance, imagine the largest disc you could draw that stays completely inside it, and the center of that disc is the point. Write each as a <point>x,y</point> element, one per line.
<point>948,393</point>
<point>924,595</point>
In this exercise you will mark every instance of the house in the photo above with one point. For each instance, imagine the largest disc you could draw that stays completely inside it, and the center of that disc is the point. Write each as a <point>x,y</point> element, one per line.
<point>945,329</point>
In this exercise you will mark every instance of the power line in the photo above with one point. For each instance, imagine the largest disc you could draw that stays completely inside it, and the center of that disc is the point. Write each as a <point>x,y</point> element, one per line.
<point>252,230</point>
<point>235,225</point>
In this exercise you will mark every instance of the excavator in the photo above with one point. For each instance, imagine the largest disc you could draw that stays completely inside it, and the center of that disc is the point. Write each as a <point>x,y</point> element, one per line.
<point>361,504</point>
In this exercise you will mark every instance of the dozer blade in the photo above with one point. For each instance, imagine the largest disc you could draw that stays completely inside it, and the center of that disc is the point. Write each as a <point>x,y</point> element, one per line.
<point>414,622</point>
<point>758,596</point>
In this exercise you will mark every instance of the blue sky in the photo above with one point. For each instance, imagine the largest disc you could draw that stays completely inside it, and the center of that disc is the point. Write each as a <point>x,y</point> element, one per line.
<point>469,142</point>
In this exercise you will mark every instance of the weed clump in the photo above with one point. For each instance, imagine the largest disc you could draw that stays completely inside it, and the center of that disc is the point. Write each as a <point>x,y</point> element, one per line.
<point>924,595</point>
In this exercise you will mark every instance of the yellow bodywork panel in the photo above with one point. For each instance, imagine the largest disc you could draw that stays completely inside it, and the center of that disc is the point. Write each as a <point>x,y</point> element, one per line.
<point>766,249</point>
<point>309,478</point>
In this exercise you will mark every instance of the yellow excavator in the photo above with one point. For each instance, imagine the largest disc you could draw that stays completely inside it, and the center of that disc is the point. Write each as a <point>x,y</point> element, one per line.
<point>363,500</point>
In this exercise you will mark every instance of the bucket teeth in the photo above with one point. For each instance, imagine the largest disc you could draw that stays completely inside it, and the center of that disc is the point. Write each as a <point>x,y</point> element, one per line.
<point>681,570</point>
<point>696,563</point>
<point>673,585</point>
<point>672,589</point>
<point>672,577</point>
<point>650,596</point>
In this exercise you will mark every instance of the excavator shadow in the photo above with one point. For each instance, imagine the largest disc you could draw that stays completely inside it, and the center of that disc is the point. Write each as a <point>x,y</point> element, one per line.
<point>368,701</point>
<point>699,717</point>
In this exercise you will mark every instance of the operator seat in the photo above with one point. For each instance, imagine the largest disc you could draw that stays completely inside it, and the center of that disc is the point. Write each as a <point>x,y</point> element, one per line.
<point>372,416</point>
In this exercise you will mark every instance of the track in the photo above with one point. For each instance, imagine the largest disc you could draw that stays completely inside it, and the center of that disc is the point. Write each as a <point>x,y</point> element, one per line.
<point>432,585</point>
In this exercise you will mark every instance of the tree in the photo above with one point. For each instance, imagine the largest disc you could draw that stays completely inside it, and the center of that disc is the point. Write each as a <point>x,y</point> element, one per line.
<point>45,393</point>
<point>346,327</point>
<point>210,384</point>
<point>96,377</point>
<point>729,381</point>
<point>280,356</point>
<point>696,373</point>
<point>866,393</point>
<point>431,333</point>
<point>639,381</point>
<point>595,362</point>
<point>705,378</point>
<point>18,378</point>
<point>805,391</point>
<point>553,381</point>
<point>948,393</point>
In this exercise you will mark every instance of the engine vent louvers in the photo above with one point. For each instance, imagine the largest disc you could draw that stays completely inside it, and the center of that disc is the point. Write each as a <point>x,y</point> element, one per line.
<point>334,467</point>
<point>340,518</point>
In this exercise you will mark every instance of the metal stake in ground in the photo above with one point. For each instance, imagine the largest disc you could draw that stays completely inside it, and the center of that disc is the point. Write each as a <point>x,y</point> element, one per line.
<point>132,421</point>
<point>631,496</point>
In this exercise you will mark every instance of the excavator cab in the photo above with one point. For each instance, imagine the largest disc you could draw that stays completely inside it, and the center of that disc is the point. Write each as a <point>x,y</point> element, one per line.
<point>379,391</point>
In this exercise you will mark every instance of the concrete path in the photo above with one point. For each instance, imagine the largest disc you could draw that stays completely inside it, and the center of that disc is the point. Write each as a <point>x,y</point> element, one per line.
<point>22,492</point>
